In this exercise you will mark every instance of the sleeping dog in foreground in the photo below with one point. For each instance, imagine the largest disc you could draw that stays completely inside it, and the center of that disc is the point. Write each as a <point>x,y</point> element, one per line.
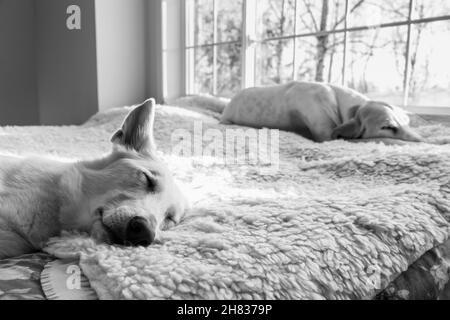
<point>123,198</point>
<point>320,112</point>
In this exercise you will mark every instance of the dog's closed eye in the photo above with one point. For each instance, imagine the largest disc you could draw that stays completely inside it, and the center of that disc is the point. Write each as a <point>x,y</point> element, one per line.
<point>390,128</point>
<point>151,183</point>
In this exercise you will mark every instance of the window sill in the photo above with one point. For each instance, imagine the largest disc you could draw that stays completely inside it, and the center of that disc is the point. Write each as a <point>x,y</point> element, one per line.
<point>442,119</point>
<point>435,111</point>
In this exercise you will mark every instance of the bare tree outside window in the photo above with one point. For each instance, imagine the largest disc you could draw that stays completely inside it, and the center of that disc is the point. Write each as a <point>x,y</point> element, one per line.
<point>216,47</point>
<point>378,47</point>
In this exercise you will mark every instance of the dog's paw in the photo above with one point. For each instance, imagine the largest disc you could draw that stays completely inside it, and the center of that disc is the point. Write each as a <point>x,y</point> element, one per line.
<point>70,245</point>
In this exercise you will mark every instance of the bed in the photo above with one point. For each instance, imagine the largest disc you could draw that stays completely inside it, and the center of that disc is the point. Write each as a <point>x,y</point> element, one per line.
<point>331,221</point>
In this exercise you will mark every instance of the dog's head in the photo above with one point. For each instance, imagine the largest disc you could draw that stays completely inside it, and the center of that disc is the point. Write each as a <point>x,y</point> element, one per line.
<point>136,195</point>
<point>376,120</point>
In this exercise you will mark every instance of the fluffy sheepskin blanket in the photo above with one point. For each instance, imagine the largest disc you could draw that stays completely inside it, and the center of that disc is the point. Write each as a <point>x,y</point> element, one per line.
<point>336,220</point>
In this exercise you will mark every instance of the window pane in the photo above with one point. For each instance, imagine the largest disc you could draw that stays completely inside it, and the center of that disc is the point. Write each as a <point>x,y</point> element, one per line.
<point>334,59</point>
<point>275,18</point>
<point>305,57</point>
<point>315,16</point>
<point>320,65</point>
<point>376,63</point>
<point>274,62</point>
<point>229,20</point>
<point>433,8</point>
<point>201,15</point>
<point>228,69</point>
<point>429,69</point>
<point>200,69</point>
<point>373,12</point>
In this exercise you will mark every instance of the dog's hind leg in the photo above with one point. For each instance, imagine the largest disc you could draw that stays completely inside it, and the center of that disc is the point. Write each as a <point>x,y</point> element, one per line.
<point>12,245</point>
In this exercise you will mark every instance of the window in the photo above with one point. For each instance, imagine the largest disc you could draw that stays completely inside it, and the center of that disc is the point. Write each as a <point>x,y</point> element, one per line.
<point>395,51</point>
<point>214,46</point>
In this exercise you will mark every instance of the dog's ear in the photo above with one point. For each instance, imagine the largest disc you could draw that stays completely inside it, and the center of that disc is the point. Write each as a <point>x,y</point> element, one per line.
<point>352,129</point>
<point>349,130</point>
<point>137,129</point>
<point>407,134</point>
<point>353,111</point>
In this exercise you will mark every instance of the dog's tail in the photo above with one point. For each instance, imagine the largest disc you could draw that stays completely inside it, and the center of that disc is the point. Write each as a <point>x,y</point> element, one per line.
<point>204,102</point>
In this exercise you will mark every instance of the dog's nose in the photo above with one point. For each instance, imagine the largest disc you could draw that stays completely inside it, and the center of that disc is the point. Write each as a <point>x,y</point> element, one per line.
<point>139,232</point>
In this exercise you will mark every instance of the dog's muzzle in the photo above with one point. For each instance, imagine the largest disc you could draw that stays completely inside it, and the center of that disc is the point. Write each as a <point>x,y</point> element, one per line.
<point>139,232</point>
<point>131,229</point>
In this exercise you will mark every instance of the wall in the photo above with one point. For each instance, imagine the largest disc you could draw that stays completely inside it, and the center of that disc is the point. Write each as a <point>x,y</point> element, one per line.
<point>173,66</point>
<point>121,52</point>
<point>18,92</point>
<point>66,63</point>
<point>54,76</point>
<point>154,51</point>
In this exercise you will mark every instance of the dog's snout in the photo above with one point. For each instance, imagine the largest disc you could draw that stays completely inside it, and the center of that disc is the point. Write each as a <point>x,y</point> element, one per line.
<point>139,232</point>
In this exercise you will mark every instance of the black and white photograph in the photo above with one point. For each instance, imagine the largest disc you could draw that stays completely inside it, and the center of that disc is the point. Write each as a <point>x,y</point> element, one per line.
<point>242,151</point>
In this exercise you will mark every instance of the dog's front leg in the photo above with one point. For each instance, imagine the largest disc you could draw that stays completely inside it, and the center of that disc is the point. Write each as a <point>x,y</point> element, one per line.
<point>99,233</point>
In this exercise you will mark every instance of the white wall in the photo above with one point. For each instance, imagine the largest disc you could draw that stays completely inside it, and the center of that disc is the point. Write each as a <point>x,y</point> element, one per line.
<point>52,75</point>
<point>173,72</point>
<point>65,63</point>
<point>47,72</point>
<point>121,52</point>
<point>129,51</point>
<point>18,92</point>
<point>154,50</point>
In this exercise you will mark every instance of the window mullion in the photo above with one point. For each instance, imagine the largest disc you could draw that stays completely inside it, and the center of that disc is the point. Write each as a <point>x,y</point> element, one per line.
<point>345,53</point>
<point>243,44</point>
<point>295,63</point>
<point>215,40</point>
<point>248,43</point>
<point>189,68</point>
<point>406,76</point>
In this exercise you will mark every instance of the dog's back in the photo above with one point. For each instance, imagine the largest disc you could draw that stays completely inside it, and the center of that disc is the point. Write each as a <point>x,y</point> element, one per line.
<point>29,199</point>
<point>295,106</point>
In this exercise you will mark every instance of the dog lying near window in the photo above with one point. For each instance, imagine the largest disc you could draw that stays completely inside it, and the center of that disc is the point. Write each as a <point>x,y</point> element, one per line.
<point>320,112</point>
<point>124,198</point>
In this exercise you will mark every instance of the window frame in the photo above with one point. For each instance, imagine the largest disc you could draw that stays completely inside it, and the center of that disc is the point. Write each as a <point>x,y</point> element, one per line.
<point>189,30</point>
<point>249,42</point>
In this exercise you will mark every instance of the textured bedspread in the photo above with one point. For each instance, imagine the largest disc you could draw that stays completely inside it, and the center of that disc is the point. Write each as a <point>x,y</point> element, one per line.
<point>335,221</point>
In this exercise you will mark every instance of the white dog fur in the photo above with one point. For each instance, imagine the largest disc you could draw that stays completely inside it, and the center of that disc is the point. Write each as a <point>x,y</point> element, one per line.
<point>39,198</point>
<point>318,111</point>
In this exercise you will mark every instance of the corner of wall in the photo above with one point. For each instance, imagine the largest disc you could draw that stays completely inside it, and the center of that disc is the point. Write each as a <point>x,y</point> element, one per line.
<point>122,51</point>
<point>172,50</point>
<point>154,46</point>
